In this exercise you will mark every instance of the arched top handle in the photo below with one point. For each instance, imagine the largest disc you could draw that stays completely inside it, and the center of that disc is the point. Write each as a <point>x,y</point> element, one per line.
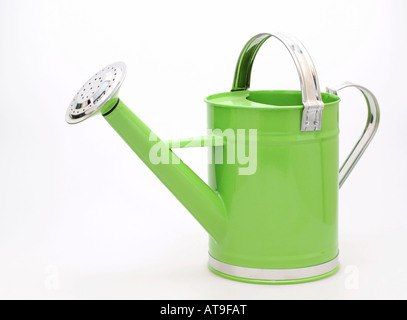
<point>311,93</point>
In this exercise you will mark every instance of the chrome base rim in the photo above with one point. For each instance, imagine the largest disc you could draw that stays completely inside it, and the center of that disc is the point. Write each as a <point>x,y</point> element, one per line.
<point>273,274</point>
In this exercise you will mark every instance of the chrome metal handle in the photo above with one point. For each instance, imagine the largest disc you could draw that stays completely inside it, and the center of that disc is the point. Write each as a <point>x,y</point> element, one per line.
<point>373,119</point>
<point>311,93</point>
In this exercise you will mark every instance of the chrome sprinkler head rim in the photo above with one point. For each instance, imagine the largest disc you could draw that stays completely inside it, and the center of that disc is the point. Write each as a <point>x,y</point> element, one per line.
<point>96,92</point>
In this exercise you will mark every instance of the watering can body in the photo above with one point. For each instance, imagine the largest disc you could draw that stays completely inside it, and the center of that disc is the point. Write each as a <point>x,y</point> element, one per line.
<point>282,213</point>
<point>270,206</point>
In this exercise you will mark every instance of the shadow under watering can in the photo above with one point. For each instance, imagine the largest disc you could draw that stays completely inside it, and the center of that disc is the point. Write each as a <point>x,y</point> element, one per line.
<point>271,204</point>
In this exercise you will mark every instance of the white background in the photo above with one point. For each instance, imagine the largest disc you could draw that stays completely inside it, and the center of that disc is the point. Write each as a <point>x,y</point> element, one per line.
<point>82,218</point>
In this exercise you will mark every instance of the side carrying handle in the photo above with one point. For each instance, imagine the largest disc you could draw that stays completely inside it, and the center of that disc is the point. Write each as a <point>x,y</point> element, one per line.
<point>367,136</point>
<point>311,93</point>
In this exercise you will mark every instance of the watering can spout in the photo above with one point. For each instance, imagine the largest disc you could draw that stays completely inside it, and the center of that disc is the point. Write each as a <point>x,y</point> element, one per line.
<point>99,95</point>
<point>198,198</point>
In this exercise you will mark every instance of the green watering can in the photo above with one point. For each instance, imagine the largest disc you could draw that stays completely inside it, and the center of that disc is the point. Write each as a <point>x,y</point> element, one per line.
<point>271,204</point>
